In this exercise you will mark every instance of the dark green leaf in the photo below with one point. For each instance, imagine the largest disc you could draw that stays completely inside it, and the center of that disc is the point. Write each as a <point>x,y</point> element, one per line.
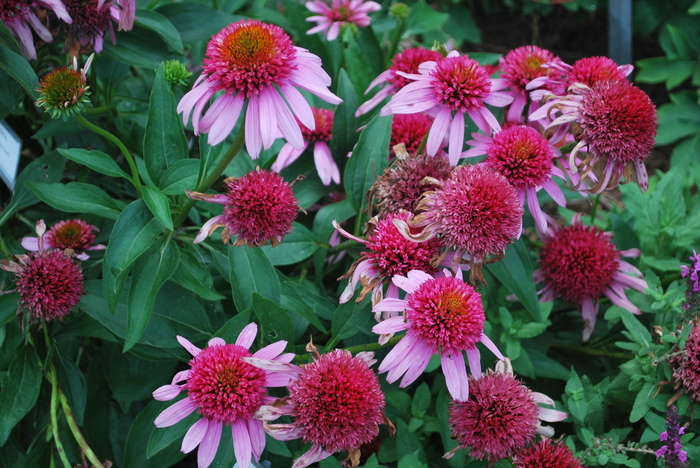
<point>160,25</point>
<point>76,197</point>
<point>112,285</point>
<point>347,320</point>
<point>95,160</point>
<point>515,271</point>
<point>302,302</point>
<point>578,406</point>
<point>138,47</point>
<point>369,158</point>
<point>194,276</point>
<point>357,64</point>
<point>133,233</point>
<point>421,401</point>
<point>345,123</point>
<point>136,449</point>
<point>296,246</point>
<point>251,271</point>
<point>164,142</point>
<point>275,324</point>
<point>231,329</point>
<point>643,401</point>
<point>8,40</point>
<point>20,389</point>
<point>196,21</point>
<point>639,332</point>
<point>158,204</point>
<point>424,19</point>
<point>208,158</point>
<point>323,221</point>
<point>149,275</point>
<point>546,366</point>
<point>73,384</point>
<point>179,177</point>
<point>18,68</point>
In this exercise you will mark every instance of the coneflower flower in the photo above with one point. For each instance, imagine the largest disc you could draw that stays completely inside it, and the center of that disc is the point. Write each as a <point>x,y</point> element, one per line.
<point>64,91</point>
<point>49,281</point>
<point>409,130</point>
<point>580,264</point>
<point>442,316</point>
<point>224,390</point>
<point>20,18</point>
<point>258,207</point>
<point>92,19</point>
<point>74,234</point>
<point>546,454</point>
<point>256,64</point>
<point>336,403</point>
<point>391,81</point>
<point>330,19</point>
<point>450,88</point>
<point>325,165</point>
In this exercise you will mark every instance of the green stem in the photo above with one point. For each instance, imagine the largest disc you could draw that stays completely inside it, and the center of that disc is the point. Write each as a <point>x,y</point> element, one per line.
<point>76,432</point>
<point>373,346</point>
<point>396,37</point>
<point>208,181</point>
<point>3,247</point>
<point>129,159</point>
<point>592,351</point>
<point>596,202</point>
<point>54,419</point>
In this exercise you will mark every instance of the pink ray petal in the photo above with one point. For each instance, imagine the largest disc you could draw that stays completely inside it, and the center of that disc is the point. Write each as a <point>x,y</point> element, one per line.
<point>474,360</point>
<point>175,413</point>
<point>194,435</point>
<point>241,442</point>
<point>209,445</point>
<point>257,437</point>
<point>455,371</point>
<point>247,335</point>
<point>391,325</point>
<point>192,349</point>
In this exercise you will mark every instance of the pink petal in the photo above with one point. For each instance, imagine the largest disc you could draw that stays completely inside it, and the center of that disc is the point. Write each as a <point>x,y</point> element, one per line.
<point>166,392</point>
<point>412,281</point>
<point>209,445</point>
<point>286,123</point>
<point>325,166</point>
<point>456,138</point>
<point>455,375</point>
<point>397,355</point>
<point>486,341</point>
<point>241,442</point>
<point>216,341</point>
<point>422,354</point>
<point>209,227</point>
<point>301,108</point>
<point>257,437</point>
<point>30,243</point>
<point>374,101</point>
<point>192,349</point>
<point>194,435</point>
<point>268,116</point>
<point>315,454</point>
<point>175,413</point>
<point>383,77</point>
<point>589,311</point>
<point>253,138</point>
<point>474,359</point>
<point>551,415</point>
<point>287,155</point>
<point>438,131</point>
<point>534,205</point>
<point>285,432</point>
<point>391,325</point>
<point>390,305</point>
<point>271,351</point>
<point>247,335</point>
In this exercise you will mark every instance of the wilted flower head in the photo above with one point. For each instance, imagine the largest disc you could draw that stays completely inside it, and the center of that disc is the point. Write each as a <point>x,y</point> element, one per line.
<point>20,17</point>
<point>442,316</point>
<point>450,88</point>
<point>546,454</point>
<point>401,184</point>
<point>320,136</point>
<point>256,64</point>
<point>672,452</point>
<point>258,207</point>
<point>579,263</point>
<point>74,234</point>
<point>501,416</point>
<point>336,403</point>
<point>330,19</point>
<point>64,91</point>
<point>392,79</point>
<point>225,390</point>
<point>49,282</point>
<point>91,19</point>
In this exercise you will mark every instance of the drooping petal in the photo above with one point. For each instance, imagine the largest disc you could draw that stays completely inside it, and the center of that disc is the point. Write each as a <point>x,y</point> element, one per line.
<point>241,442</point>
<point>209,444</point>
<point>194,435</point>
<point>455,371</point>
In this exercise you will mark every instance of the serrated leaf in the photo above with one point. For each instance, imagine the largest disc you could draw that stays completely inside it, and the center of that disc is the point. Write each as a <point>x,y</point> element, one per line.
<point>20,390</point>
<point>95,160</point>
<point>149,275</point>
<point>275,323</point>
<point>159,205</point>
<point>642,401</point>
<point>76,197</point>
<point>251,271</point>
<point>133,233</point>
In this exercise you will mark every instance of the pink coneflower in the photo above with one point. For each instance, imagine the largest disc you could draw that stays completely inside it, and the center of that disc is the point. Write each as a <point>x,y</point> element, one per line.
<point>526,159</point>
<point>225,390</point>
<point>547,454</point>
<point>330,19</point>
<point>20,18</point>
<point>519,67</point>
<point>401,184</point>
<point>475,211</point>
<point>258,207</point>
<point>325,166</point>
<point>590,70</point>
<point>255,63</point>
<point>442,316</point>
<point>450,88</point>
<point>409,130</point>
<point>616,123</point>
<point>74,234</point>
<point>388,254</point>
<point>407,61</point>
<point>579,264</point>
<point>125,14</point>
<point>64,91</point>
<point>336,403</point>
<point>687,365</point>
<point>49,282</point>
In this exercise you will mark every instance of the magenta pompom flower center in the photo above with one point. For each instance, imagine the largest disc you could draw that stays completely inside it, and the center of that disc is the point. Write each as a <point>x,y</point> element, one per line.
<point>324,126</point>
<point>89,22</point>
<point>408,62</point>
<point>50,284</point>
<point>579,262</point>
<point>338,401</point>
<point>590,70</point>
<point>446,313</point>
<point>547,454</point>
<point>249,56</point>
<point>73,234</point>
<point>499,419</point>
<point>9,9</point>
<point>223,386</point>
<point>524,64</point>
<point>460,83</point>
<point>522,155</point>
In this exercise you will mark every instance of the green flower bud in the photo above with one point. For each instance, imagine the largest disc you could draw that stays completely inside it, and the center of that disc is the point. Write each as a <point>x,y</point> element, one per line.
<point>176,73</point>
<point>400,11</point>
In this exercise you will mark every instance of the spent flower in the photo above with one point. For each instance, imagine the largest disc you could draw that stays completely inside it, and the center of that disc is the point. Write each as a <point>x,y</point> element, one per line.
<point>74,234</point>
<point>20,17</point>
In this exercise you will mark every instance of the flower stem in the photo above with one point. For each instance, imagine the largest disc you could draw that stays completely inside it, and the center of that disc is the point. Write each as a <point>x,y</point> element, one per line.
<point>54,419</point>
<point>3,248</point>
<point>129,159</point>
<point>396,37</point>
<point>592,351</point>
<point>596,202</point>
<point>373,346</point>
<point>76,431</point>
<point>209,180</point>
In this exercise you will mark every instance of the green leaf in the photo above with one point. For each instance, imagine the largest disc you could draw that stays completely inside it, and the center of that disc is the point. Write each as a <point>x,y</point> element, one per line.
<point>159,205</point>
<point>357,63</point>
<point>639,332</point>
<point>344,121</point>
<point>299,300</point>
<point>20,390</point>
<point>161,26</point>
<point>72,382</point>
<point>170,437</point>
<point>112,285</point>
<point>347,320</point>
<point>164,142</point>
<point>275,323</point>
<point>133,233</point>
<point>138,47</point>
<point>515,272</point>
<point>531,330</point>
<point>208,158</point>
<point>18,68</point>
<point>196,21</point>
<point>76,197</point>
<point>138,440</point>
<point>546,366</point>
<point>341,211</point>
<point>251,271</point>
<point>369,158</point>
<point>296,246</point>
<point>9,303</point>
<point>95,160</point>
<point>179,177</point>
<point>149,275</point>
<point>233,327</point>
<point>642,402</point>
<point>421,401</point>
<point>578,406</point>
<point>424,19</point>
<point>191,274</point>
